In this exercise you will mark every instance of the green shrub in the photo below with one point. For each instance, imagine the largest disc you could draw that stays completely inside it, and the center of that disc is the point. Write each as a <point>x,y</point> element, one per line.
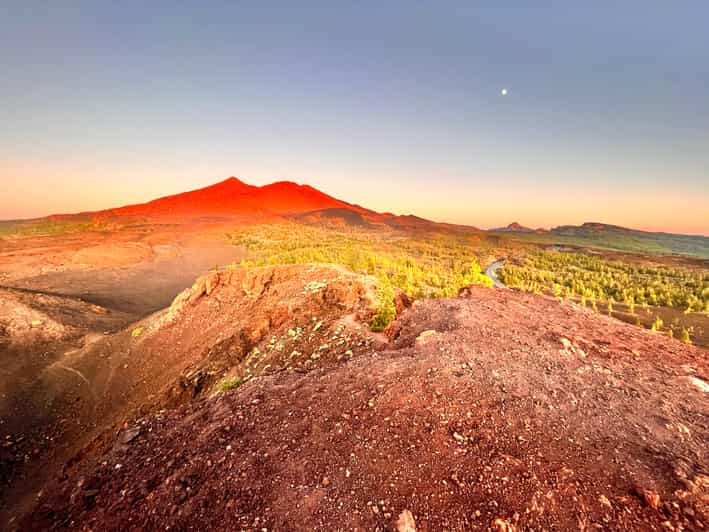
<point>228,384</point>
<point>386,310</point>
<point>684,336</point>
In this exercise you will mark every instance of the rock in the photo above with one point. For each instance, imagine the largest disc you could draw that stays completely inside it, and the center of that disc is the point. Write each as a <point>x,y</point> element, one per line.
<point>211,283</point>
<point>502,525</point>
<point>425,337</point>
<point>325,482</point>
<point>701,385</point>
<point>604,501</point>
<point>406,522</point>
<point>651,498</point>
<point>129,435</point>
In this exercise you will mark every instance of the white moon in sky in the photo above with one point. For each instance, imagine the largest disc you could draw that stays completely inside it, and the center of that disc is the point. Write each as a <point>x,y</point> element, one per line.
<point>504,92</point>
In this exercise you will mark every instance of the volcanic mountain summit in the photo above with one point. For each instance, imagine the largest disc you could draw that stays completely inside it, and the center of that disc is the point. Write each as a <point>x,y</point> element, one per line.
<point>233,198</point>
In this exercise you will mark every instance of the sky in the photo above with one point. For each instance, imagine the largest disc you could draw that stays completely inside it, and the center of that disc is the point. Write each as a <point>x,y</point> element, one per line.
<point>397,108</point>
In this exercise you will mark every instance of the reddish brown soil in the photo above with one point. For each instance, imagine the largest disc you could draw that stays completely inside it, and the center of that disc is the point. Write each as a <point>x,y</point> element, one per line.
<point>136,269</point>
<point>519,412</point>
<point>240,324</point>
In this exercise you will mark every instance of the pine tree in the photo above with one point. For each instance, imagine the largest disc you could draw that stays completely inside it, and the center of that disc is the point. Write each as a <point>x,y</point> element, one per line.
<point>684,336</point>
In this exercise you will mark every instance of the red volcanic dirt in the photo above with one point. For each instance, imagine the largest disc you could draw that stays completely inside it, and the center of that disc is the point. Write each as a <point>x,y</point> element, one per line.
<point>66,389</point>
<point>494,410</point>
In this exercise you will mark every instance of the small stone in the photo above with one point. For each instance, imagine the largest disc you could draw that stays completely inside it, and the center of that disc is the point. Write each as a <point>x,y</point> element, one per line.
<point>604,501</point>
<point>406,522</point>
<point>325,482</point>
<point>129,435</point>
<point>651,498</point>
<point>502,525</point>
<point>425,337</point>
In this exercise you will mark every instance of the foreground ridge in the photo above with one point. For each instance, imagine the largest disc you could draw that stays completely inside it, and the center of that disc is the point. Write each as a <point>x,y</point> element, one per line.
<point>477,415</point>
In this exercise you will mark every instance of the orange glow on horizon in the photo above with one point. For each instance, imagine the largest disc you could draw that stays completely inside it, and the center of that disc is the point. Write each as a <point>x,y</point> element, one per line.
<point>74,188</point>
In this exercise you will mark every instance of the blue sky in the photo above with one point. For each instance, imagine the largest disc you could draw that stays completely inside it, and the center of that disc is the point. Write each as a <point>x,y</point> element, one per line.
<point>397,108</point>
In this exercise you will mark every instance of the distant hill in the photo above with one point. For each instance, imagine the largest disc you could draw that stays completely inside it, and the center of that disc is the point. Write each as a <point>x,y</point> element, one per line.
<point>600,235</point>
<point>515,227</point>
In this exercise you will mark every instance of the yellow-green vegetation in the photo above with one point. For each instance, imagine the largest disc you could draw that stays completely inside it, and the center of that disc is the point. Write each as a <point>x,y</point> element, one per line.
<point>684,336</point>
<point>594,278</point>
<point>425,265</point>
<point>138,331</point>
<point>228,384</point>
<point>50,226</point>
<point>591,279</point>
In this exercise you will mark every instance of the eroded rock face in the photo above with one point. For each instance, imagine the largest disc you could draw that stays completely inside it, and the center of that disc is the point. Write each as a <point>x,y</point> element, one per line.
<point>245,322</point>
<point>330,287</point>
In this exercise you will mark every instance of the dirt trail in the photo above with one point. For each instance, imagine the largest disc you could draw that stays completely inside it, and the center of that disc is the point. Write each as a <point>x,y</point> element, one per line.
<point>496,410</point>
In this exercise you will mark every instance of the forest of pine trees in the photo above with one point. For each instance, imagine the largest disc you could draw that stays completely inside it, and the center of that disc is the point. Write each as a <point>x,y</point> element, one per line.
<point>594,279</point>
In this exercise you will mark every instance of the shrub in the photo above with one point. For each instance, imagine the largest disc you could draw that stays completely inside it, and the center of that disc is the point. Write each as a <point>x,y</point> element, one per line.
<point>228,384</point>
<point>386,309</point>
<point>684,336</point>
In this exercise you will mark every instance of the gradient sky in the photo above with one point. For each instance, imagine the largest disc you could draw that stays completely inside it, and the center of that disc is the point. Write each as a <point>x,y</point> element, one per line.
<point>397,108</point>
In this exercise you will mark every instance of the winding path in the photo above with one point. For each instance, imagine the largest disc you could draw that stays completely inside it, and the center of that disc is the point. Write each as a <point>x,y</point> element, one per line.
<point>491,272</point>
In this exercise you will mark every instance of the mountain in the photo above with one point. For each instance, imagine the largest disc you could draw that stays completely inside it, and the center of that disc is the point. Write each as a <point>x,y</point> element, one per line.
<point>514,227</point>
<point>233,198</point>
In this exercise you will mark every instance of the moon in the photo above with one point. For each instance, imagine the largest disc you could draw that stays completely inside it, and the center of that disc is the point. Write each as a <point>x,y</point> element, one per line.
<point>503,92</point>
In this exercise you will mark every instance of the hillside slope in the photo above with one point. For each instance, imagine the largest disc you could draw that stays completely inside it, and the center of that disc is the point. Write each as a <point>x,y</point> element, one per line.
<point>496,409</point>
<point>70,383</point>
